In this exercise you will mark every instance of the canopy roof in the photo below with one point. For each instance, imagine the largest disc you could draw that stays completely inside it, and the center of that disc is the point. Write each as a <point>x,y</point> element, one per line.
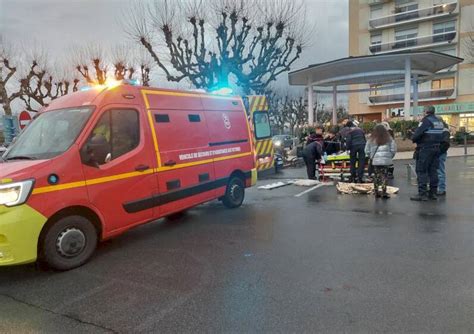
<point>372,69</point>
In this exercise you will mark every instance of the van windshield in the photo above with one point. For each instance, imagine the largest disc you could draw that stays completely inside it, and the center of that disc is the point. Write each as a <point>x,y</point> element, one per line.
<point>49,135</point>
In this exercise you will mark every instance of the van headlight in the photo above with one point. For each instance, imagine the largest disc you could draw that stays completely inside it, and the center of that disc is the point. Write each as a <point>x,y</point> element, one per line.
<point>16,193</point>
<point>277,143</point>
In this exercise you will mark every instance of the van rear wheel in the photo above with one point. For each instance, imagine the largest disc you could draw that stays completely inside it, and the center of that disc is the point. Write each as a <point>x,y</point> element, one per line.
<point>235,193</point>
<point>68,243</point>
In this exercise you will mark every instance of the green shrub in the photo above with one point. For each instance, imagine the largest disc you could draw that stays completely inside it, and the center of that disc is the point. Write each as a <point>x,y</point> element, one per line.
<point>459,137</point>
<point>367,126</point>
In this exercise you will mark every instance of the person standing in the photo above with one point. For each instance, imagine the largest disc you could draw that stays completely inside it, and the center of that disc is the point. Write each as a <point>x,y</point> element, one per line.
<point>427,137</point>
<point>381,149</point>
<point>355,141</point>
<point>311,153</point>
<point>443,155</point>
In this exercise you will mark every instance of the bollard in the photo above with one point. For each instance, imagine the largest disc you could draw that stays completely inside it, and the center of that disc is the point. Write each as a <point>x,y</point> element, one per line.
<point>465,143</point>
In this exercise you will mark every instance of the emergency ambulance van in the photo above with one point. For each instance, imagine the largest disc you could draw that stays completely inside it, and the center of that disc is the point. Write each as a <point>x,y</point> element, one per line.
<point>95,163</point>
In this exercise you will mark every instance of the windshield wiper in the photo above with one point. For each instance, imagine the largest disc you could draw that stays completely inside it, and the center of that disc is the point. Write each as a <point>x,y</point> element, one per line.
<point>20,157</point>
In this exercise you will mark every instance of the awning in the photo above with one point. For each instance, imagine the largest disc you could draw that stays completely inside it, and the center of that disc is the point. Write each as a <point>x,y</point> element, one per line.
<point>372,69</point>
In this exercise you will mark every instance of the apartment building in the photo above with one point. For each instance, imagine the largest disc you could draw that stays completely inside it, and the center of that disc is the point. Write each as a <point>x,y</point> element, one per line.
<point>388,26</point>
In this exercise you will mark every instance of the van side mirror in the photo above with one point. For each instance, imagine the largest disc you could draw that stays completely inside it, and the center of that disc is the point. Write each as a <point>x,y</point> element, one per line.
<point>96,151</point>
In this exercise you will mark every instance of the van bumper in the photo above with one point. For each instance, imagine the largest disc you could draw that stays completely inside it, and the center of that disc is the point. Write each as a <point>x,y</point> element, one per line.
<point>20,227</point>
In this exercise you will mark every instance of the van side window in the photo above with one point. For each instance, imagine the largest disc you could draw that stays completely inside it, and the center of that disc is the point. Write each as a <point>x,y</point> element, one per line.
<point>262,125</point>
<point>194,118</point>
<point>117,132</point>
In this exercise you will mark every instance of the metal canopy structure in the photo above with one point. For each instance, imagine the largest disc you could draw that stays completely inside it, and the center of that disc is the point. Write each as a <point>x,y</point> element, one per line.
<point>407,67</point>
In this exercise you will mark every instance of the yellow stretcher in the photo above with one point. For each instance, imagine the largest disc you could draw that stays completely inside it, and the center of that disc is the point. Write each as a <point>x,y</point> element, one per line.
<point>336,167</point>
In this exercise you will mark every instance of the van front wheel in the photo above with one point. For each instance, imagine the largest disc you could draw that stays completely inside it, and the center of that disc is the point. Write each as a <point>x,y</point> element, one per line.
<point>68,243</point>
<point>235,193</point>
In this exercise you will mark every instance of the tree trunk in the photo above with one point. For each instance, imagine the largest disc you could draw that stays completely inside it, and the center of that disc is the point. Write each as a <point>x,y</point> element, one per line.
<point>5,102</point>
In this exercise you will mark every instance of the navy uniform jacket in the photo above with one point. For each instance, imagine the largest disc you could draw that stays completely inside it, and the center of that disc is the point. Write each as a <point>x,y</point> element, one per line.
<point>355,138</point>
<point>429,132</point>
<point>313,151</point>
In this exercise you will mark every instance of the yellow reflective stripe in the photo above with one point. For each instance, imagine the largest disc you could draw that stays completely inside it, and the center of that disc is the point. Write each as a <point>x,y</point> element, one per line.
<point>252,143</point>
<point>58,187</point>
<point>233,156</point>
<point>117,177</point>
<point>131,174</point>
<point>152,128</point>
<point>190,94</point>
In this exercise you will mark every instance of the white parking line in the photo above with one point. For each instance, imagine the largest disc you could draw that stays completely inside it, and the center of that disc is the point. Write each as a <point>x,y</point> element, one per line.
<point>310,189</point>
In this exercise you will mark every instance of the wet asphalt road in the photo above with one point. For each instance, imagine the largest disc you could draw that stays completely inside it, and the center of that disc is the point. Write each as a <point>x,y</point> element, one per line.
<point>321,262</point>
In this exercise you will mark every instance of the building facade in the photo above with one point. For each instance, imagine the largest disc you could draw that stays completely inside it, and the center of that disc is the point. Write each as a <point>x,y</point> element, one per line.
<point>388,26</point>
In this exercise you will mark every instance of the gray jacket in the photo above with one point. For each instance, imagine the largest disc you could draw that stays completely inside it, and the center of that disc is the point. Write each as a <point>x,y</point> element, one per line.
<point>383,155</point>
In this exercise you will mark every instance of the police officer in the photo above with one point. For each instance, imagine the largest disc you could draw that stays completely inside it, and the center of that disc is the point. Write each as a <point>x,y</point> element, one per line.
<point>427,137</point>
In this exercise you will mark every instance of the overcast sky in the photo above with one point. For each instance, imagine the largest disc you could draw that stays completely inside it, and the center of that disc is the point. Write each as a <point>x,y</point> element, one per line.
<point>59,24</point>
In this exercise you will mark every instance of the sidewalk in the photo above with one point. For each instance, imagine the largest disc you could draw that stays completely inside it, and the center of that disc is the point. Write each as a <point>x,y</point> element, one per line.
<point>453,152</point>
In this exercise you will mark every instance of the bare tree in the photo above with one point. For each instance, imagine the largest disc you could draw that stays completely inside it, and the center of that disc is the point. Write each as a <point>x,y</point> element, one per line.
<point>325,114</point>
<point>216,42</point>
<point>8,69</point>
<point>89,61</point>
<point>39,86</point>
<point>287,112</point>
<point>96,64</point>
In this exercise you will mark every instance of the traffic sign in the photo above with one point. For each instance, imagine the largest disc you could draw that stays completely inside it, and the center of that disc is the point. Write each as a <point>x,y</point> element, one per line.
<point>24,119</point>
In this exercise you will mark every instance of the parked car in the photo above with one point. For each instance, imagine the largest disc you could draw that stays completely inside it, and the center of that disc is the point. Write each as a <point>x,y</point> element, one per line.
<point>282,141</point>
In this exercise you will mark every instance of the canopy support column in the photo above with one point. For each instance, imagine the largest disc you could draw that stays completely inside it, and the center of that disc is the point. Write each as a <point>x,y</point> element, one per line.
<point>334,105</point>
<point>316,108</point>
<point>310,103</point>
<point>406,106</point>
<point>415,95</point>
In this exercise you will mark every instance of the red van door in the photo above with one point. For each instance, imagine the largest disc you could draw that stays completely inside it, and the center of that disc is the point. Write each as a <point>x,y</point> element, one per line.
<point>118,163</point>
<point>186,167</point>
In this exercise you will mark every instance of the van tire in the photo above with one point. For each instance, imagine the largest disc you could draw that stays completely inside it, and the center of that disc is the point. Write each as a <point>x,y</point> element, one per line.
<point>235,193</point>
<point>68,243</point>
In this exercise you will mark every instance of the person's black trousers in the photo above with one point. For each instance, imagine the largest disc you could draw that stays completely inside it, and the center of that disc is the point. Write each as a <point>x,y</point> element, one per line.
<point>310,167</point>
<point>357,154</point>
<point>427,164</point>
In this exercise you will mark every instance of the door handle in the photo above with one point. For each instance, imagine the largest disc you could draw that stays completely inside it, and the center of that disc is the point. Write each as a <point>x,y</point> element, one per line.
<point>142,168</point>
<point>170,163</point>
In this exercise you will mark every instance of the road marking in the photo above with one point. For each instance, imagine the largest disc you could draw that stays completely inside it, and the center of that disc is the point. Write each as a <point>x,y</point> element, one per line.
<point>310,189</point>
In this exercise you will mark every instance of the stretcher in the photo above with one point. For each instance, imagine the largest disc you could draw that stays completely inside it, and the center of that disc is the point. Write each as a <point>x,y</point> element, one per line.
<point>337,166</point>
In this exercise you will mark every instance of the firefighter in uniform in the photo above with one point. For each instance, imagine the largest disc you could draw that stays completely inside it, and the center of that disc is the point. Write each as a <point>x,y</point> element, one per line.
<point>427,137</point>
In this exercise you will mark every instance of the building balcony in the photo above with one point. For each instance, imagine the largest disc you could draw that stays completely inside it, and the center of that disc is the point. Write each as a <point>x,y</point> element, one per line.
<point>416,15</point>
<point>429,95</point>
<point>420,42</point>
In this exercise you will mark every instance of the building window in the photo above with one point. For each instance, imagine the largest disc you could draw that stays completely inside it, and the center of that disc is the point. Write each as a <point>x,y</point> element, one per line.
<point>444,31</point>
<point>405,38</point>
<point>375,42</point>
<point>442,83</point>
<point>376,11</point>
<point>406,10</point>
<point>375,90</point>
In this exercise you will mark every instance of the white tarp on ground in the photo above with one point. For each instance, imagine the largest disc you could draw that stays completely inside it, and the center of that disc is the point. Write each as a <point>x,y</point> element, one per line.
<point>361,188</point>
<point>306,183</point>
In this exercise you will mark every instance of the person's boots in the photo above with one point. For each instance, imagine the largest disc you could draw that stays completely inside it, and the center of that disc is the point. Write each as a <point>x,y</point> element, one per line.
<point>432,195</point>
<point>419,198</point>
